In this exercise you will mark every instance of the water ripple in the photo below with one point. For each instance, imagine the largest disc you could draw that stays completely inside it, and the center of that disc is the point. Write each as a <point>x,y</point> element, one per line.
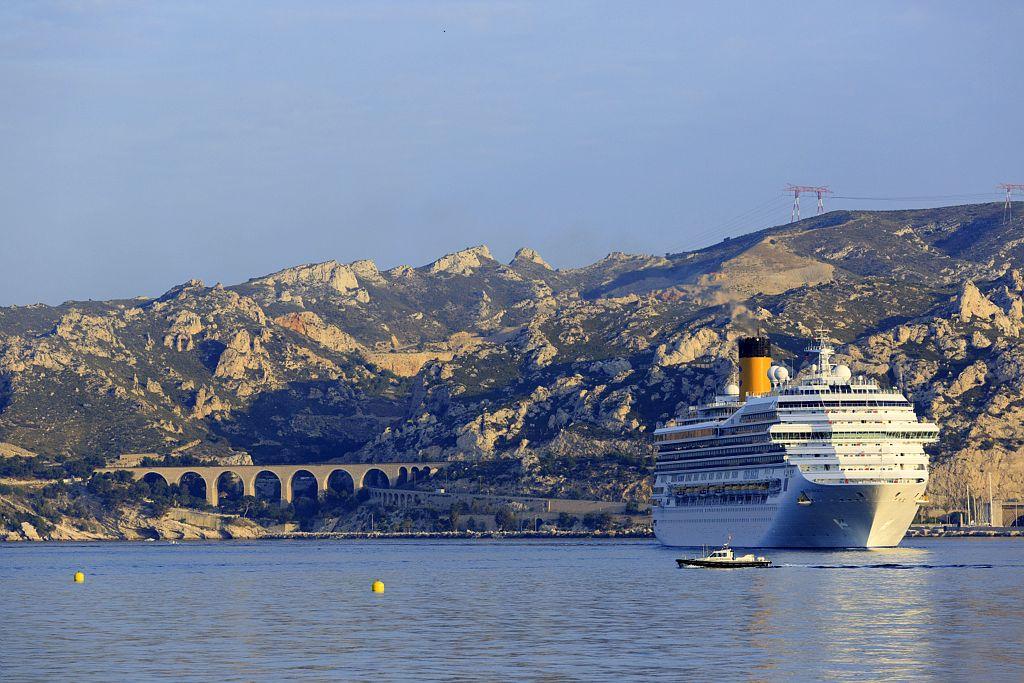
<point>470,611</point>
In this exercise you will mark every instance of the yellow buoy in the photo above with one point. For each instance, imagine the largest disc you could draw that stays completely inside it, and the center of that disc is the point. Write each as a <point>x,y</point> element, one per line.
<point>79,577</point>
<point>378,586</point>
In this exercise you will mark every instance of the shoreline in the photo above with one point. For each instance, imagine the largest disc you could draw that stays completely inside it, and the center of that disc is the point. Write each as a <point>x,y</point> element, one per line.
<point>470,535</point>
<point>914,532</point>
<point>363,535</point>
<point>940,531</point>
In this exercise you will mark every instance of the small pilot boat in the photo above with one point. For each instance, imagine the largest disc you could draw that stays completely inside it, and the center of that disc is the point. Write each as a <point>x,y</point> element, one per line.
<point>724,558</point>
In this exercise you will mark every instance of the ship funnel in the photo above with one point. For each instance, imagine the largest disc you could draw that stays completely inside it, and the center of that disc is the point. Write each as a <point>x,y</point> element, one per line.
<point>755,359</point>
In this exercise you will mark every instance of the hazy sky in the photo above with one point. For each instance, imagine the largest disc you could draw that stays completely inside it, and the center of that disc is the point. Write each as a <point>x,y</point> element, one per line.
<point>143,144</point>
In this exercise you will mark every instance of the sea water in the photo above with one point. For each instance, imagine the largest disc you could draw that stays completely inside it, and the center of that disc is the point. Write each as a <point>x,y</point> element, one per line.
<point>933,609</point>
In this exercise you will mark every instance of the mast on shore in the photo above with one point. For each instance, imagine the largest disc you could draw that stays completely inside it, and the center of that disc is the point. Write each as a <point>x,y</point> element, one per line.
<point>990,517</point>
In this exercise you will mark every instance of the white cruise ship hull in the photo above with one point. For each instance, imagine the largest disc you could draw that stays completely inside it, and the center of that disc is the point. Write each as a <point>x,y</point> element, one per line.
<point>839,516</point>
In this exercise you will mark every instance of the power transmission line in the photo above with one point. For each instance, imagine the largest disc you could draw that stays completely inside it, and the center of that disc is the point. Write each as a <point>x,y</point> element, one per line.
<point>752,215</point>
<point>917,199</point>
<point>740,218</point>
<point>771,206</point>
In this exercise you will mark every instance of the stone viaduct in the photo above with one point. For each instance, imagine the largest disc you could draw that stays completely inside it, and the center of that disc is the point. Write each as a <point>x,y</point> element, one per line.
<point>349,477</point>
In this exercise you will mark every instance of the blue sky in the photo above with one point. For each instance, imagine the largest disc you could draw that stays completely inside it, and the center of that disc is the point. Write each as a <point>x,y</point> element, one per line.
<point>144,144</point>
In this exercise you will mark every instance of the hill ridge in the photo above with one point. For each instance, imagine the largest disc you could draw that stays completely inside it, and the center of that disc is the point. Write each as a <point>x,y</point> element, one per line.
<point>471,359</point>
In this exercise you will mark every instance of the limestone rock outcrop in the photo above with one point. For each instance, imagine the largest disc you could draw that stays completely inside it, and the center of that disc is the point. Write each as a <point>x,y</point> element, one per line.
<point>309,324</point>
<point>181,333</point>
<point>686,348</point>
<point>462,262</point>
<point>405,364</point>
<point>527,255</point>
<point>974,304</point>
<point>338,277</point>
<point>244,354</point>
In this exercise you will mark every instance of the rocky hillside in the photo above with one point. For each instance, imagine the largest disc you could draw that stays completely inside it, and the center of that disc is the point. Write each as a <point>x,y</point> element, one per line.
<point>548,380</point>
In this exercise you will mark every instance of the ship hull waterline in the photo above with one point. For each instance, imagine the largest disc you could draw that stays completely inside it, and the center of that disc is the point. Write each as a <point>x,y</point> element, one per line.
<point>838,516</point>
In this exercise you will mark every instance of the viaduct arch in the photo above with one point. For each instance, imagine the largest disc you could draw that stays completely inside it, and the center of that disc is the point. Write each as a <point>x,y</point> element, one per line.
<point>362,474</point>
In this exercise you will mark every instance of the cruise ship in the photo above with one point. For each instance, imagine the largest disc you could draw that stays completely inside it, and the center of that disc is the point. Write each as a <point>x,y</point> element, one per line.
<point>819,460</point>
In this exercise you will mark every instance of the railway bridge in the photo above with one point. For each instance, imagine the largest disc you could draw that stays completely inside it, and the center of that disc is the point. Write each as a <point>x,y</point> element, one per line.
<point>339,477</point>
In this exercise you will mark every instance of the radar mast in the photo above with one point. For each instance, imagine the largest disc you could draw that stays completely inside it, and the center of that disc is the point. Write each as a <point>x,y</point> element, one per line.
<point>822,346</point>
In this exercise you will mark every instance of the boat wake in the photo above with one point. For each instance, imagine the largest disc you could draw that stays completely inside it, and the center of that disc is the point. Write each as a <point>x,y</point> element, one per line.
<point>893,565</point>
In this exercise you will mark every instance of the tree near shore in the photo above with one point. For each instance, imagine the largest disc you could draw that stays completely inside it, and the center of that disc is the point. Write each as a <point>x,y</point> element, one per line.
<point>505,519</point>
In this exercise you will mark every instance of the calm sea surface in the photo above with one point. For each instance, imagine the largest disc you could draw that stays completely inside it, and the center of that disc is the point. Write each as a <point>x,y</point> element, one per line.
<point>504,610</point>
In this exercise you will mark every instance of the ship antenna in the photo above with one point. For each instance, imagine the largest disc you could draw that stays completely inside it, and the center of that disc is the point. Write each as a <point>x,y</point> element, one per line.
<point>825,351</point>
